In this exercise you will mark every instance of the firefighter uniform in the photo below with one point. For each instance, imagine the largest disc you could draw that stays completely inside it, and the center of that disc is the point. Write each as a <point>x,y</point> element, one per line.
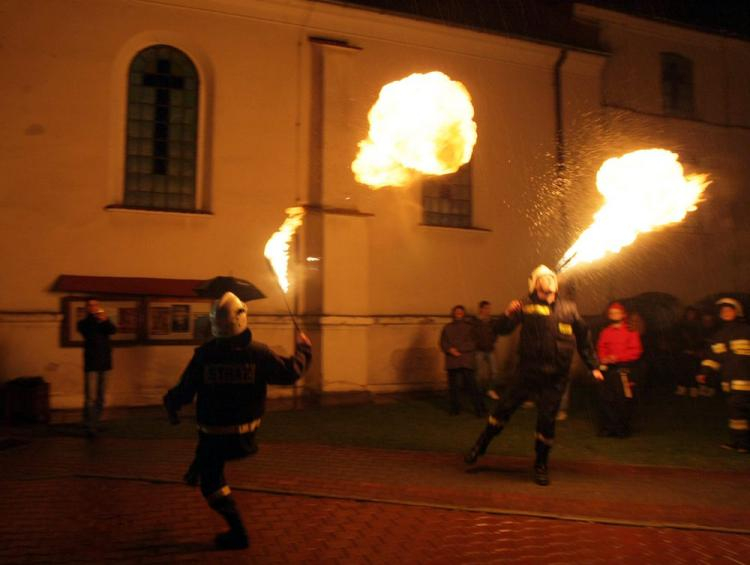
<point>729,357</point>
<point>229,377</point>
<point>550,333</point>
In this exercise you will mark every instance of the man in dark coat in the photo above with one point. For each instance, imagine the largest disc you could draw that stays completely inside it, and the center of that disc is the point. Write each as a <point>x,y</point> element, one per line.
<point>458,342</point>
<point>229,376</point>
<point>551,329</point>
<point>97,362</point>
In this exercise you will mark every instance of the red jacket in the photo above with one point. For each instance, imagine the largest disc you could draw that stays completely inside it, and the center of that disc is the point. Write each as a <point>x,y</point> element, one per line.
<point>619,342</point>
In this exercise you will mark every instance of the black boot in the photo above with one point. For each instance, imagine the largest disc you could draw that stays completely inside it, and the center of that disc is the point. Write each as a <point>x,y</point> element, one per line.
<point>480,447</point>
<point>193,475</point>
<point>236,537</point>
<point>541,474</point>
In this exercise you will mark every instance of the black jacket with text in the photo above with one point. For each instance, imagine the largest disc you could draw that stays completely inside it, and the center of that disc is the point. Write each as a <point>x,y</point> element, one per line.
<point>550,333</point>
<point>230,378</point>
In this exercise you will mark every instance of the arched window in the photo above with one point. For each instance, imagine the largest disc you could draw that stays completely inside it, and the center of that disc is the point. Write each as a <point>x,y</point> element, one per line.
<point>161,131</point>
<point>677,84</point>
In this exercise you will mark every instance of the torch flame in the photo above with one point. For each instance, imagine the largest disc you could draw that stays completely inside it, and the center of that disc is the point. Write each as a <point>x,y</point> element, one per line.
<point>277,246</point>
<point>643,190</point>
<point>420,124</point>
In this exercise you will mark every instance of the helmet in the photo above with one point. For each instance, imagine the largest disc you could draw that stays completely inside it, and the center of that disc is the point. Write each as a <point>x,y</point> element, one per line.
<point>538,273</point>
<point>228,316</point>
<point>732,303</point>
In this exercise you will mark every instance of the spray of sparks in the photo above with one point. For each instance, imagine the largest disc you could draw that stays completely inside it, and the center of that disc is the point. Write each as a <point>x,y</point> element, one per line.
<point>277,246</point>
<point>422,124</point>
<point>643,190</point>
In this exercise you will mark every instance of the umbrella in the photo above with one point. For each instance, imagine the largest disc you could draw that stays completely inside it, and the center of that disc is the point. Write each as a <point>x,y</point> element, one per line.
<point>217,286</point>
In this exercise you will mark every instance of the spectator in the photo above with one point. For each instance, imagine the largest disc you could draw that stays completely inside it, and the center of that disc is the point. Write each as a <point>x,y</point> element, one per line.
<point>729,357</point>
<point>618,348</point>
<point>486,363</point>
<point>458,342</point>
<point>97,362</point>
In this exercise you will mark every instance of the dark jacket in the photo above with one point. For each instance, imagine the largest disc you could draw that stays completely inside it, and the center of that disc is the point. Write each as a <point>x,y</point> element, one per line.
<point>97,351</point>
<point>549,335</point>
<point>729,356</point>
<point>485,334</point>
<point>460,334</point>
<point>229,377</point>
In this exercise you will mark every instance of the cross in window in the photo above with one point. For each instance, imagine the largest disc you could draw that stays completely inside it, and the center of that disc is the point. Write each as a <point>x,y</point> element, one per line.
<point>163,82</point>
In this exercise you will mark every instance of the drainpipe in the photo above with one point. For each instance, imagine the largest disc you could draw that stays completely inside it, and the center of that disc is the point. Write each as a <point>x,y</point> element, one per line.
<point>560,142</point>
<point>560,166</point>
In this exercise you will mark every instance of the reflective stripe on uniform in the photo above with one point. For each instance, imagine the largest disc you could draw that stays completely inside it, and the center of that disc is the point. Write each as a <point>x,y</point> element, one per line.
<point>741,385</point>
<point>544,440</point>
<point>725,386</point>
<point>538,309</point>
<point>565,329</point>
<point>738,425</point>
<point>221,493</point>
<point>711,364</point>
<point>230,430</point>
<point>718,348</point>
<point>740,346</point>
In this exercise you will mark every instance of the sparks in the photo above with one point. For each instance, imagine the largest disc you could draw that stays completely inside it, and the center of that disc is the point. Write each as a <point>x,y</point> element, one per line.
<point>277,246</point>
<point>643,190</point>
<point>422,124</point>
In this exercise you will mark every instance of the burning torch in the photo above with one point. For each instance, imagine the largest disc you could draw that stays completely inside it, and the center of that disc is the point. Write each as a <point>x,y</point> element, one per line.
<point>277,253</point>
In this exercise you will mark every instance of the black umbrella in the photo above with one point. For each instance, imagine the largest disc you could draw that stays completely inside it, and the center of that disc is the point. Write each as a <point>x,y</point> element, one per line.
<point>217,286</point>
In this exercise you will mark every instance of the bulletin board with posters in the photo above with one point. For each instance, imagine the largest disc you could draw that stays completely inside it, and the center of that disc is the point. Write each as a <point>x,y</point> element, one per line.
<point>177,321</point>
<point>124,313</point>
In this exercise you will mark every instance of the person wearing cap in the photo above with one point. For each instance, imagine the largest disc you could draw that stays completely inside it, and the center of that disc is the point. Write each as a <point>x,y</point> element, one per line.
<point>229,376</point>
<point>551,330</point>
<point>729,357</point>
<point>618,347</point>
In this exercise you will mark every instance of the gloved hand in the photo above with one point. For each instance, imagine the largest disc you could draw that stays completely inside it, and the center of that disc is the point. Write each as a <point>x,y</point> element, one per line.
<point>174,417</point>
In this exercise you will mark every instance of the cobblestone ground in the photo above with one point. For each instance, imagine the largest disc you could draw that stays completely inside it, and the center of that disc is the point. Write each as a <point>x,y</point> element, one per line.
<point>66,500</point>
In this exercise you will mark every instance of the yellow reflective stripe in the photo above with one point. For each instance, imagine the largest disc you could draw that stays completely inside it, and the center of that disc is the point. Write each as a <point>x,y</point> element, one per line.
<point>738,425</point>
<point>712,364</point>
<point>565,329</point>
<point>221,493</point>
<point>740,346</point>
<point>718,348</point>
<point>229,430</point>
<point>538,309</point>
<point>725,386</point>
<point>544,440</point>
<point>741,385</point>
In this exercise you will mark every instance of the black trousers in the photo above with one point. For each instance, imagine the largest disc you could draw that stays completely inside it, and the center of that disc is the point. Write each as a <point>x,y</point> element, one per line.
<point>214,451</point>
<point>739,417</point>
<point>616,400</point>
<point>467,377</point>
<point>545,388</point>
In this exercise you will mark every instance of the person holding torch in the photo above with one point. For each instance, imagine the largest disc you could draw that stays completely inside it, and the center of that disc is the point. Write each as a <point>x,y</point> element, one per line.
<point>551,328</point>
<point>229,376</point>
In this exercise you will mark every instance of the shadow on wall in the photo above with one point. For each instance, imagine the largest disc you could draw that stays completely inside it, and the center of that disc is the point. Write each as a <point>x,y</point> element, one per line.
<point>420,362</point>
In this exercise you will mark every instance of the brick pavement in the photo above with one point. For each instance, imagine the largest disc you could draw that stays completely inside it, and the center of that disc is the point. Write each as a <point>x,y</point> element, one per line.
<point>66,500</point>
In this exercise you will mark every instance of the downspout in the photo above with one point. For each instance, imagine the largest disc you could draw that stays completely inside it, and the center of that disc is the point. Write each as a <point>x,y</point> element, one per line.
<point>561,183</point>
<point>560,170</point>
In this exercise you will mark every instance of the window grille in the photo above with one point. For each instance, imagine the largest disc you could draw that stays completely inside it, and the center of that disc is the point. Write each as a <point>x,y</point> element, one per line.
<point>162,124</point>
<point>677,84</point>
<point>446,200</point>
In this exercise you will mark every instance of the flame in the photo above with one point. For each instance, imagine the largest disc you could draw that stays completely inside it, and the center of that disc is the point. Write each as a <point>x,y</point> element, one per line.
<point>277,246</point>
<point>420,124</point>
<point>643,190</point>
